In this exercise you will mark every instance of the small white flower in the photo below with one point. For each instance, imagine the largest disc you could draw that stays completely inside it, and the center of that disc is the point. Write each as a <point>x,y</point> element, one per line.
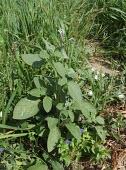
<point>103,75</point>
<point>93,69</point>
<point>121,96</point>
<point>96,77</point>
<point>0,113</point>
<point>90,93</point>
<point>98,73</point>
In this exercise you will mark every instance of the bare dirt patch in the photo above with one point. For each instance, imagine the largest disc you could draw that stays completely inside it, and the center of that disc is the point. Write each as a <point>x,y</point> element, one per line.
<point>98,61</point>
<point>103,65</point>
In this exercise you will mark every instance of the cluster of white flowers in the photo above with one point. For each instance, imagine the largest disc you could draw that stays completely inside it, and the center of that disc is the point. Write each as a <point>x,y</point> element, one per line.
<point>68,102</point>
<point>96,77</point>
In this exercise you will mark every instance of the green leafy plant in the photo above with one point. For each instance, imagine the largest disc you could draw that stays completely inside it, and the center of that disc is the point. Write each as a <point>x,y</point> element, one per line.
<point>57,102</point>
<point>89,147</point>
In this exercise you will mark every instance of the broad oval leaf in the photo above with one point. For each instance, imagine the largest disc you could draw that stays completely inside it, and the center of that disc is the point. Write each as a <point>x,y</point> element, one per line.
<point>71,115</point>
<point>47,104</point>
<point>100,120</point>
<point>93,116</point>
<point>60,106</point>
<point>72,73</point>
<point>35,92</point>
<point>38,167</point>
<point>87,109</point>
<point>60,69</point>
<point>44,54</point>
<point>62,81</point>
<point>74,130</point>
<point>33,60</point>
<point>25,109</point>
<point>54,136</point>
<point>101,132</point>
<point>75,91</point>
<point>65,113</point>
<point>38,82</point>
<point>52,122</point>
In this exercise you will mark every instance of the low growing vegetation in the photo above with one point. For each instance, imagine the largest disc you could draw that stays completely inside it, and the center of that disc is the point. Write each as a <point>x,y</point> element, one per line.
<point>56,110</point>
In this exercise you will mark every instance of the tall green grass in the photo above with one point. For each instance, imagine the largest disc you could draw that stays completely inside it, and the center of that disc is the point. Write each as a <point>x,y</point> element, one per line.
<point>27,22</point>
<point>111,26</point>
<point>24,24</point>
